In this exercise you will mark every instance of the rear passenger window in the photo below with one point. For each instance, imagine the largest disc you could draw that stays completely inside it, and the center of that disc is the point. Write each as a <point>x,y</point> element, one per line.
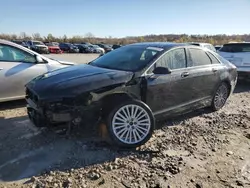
<point>174,59</point>
<point>235,47</point>
<point>198,58</point>
<point>214,60</point>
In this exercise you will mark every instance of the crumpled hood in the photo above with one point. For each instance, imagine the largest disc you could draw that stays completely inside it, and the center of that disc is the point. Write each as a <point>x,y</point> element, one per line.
<point>74,80</point>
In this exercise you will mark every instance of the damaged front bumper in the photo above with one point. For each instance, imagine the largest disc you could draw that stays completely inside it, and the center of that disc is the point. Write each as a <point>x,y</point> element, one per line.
<point>42,117</point>
<point>59,113</point>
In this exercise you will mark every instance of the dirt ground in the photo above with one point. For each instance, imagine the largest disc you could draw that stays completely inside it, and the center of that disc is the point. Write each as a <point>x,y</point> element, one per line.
<point>201,149</point>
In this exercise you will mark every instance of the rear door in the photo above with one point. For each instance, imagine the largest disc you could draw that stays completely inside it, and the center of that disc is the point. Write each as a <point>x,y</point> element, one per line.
<point>206,73</point>
<point>237,53</point>
<point>17,68</point>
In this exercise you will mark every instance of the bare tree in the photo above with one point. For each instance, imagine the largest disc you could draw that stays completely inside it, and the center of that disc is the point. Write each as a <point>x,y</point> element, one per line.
<point>65,39</point>
<point>89,35</point>
<point>23,36</point>
<point>50,37</point>
<point>37,36</point>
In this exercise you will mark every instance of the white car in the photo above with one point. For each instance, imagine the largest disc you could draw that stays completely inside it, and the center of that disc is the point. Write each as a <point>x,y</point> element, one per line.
<point>97,49</point>
<point>204,45</point>
<point>18,66</point>
<point>238,53</point>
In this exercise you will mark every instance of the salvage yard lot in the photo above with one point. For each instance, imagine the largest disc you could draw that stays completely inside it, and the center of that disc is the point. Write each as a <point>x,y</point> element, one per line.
<point>194,150</point>
<point>77,58</point>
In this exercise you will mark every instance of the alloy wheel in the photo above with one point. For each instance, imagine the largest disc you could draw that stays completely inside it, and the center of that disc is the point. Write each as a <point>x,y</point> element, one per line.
<point>131,124</point>
<point>221,96</point>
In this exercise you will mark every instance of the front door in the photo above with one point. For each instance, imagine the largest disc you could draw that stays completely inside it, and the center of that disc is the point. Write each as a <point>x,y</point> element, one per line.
<point>17,68</point>
<point>170,91</point>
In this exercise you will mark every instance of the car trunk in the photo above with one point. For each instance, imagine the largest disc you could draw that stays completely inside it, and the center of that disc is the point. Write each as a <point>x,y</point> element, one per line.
<point>236,53</point>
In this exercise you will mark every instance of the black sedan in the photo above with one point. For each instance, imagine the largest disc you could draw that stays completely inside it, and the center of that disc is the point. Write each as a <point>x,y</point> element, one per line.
<point>68,47</point>
<point>129,88</point>
<point>83,48</point>
<point>105,47</point>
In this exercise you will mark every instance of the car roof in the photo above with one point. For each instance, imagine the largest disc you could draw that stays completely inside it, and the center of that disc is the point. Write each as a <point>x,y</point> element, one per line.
<point>164,45</point>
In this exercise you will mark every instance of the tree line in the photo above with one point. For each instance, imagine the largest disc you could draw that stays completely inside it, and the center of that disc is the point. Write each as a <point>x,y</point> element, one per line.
<point>89,37</point>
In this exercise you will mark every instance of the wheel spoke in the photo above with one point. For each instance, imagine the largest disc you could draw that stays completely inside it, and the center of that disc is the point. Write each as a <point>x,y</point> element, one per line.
<point>119,123</point>
<point>123,134</point>
<point>135,112</point>
<point>120,131</point>
<point>122,116</point>
<point>125,113</point>
<point>120,119</point>
<point>144,124</point>
<point>130,136</point>
<point>134,135</point>
<point>141,117</point>
<point>143,121</point>
<point>138,115</point>
<point>127,135</point>
<point>140,131</point>
<point>142,128</point>
<point>138,135</point>
<point>127,110</point>
<point>120,126</point>
<point>132,111</point>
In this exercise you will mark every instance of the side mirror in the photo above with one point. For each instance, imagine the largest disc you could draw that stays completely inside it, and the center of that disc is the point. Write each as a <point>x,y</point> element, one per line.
<point>39,59</point>
<point>161,70</point>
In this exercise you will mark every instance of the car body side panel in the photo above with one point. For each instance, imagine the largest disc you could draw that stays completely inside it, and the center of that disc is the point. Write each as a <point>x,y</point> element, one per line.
<point>15,76</point>
<point>168,91</point>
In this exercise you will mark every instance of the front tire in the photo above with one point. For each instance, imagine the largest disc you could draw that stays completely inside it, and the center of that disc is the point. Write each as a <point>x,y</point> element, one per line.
<point>130,124</point>
<point>220,97</point>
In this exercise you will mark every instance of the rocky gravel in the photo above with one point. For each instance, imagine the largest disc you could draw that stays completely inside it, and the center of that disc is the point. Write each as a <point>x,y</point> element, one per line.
<point>202,149</point>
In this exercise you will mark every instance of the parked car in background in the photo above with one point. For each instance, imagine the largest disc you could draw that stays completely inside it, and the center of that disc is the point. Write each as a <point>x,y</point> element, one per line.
<point>54,48</point>
<point>18,66</point>
<point>68,47</point>
<point>105,47</point>
<point>87,43</point>
<point>238,53</point>
<point>84,48</point>
<point>115,46</point>
<point>38,46</point>
<point>217,47</point>
<point>204,45</point>
<point>22,43</point>
<point>130,88</point>
<point>96,49</point>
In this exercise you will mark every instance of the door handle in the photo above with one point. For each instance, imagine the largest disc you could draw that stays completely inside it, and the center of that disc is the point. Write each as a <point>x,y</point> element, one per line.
<point>184,74</point>
<point>214,70</point>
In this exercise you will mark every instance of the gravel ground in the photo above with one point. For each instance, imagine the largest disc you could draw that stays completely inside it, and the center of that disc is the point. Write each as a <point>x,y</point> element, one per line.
<point>200,149</point>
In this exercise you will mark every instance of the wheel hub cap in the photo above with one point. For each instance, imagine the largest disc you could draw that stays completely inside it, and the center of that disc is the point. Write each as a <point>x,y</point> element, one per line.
<point>131,124</point>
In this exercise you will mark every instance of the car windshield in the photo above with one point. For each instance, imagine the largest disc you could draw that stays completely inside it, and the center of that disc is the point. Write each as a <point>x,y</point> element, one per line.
<point>235,47</point>
<point>128,58</point>
<point>37,43</point>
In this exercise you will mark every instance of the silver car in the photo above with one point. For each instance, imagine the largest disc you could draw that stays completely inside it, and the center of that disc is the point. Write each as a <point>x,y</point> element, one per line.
<point>19,65</point>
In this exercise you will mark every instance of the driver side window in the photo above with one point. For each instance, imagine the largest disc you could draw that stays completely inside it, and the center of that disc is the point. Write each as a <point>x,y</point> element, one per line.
<point>12,54</point>
<point>174,59</point>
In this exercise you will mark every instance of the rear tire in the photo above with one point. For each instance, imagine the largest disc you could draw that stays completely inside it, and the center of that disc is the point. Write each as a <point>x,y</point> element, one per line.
<point>130,124</point>
<point>220,97</point>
